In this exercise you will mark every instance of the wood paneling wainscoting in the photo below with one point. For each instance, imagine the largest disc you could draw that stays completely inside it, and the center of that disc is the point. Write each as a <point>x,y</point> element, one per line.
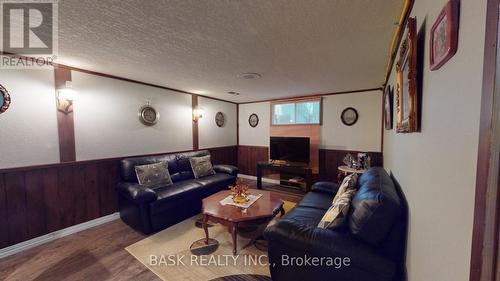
<point>38,200</point>
<point>248,156</point>
<point>224,155</point>
<point>329,160</point>
<point>42,199</point>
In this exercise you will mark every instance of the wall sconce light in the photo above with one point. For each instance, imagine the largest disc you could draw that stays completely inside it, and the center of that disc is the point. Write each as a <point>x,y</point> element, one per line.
<point>197,113</point>
<point>65,98</point>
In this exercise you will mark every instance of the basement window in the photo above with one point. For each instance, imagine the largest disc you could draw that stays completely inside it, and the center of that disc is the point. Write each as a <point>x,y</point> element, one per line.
<point>296,112</point>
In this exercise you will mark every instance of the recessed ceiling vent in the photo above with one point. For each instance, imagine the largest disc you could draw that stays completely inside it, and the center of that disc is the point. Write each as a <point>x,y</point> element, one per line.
<point>250,75</point>
<point>234,93</point>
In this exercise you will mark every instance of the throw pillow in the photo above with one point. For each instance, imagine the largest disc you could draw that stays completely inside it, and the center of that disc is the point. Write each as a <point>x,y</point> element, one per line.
<point>349,182</point>
<point>153,175</point>
<point>202,166</point>
<point>336,215</point>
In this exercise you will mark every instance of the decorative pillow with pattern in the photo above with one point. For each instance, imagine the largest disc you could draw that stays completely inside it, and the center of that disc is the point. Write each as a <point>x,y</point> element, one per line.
<point>336,215</point>
<point>349,182</point>
<point>153,175</point>
<point>202,166</point>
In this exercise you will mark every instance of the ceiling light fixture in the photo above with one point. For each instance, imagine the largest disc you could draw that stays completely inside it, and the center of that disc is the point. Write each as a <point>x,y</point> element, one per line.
<point>250,75</point>
<point>233,93</point>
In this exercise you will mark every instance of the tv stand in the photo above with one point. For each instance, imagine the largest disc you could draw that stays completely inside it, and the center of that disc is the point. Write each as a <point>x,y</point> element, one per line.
<point>288,169</point>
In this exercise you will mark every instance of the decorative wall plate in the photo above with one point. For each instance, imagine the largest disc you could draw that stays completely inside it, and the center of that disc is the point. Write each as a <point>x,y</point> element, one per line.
<point>220,119</point>
<point>349,116</point>
<point>148,115</point>
<point>4,99</point>
<point>253,120</point>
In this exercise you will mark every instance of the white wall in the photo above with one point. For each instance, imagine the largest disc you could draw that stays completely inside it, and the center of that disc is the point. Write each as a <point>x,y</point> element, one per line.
<point>258,136</point>
<point>28,129</point>
<point>210,135</point>
<point>365,135</point>
<point>436,168</point>
<point>106,122</point>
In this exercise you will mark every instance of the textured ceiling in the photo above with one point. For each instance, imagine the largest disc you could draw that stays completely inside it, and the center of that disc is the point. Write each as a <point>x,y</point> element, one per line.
<point>299,46</point>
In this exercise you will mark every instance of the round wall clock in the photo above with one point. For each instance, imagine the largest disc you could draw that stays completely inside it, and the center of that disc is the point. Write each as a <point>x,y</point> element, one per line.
<point>349,116</point>
<point>4,99</point>
<point>253,120</point>
<point>148,115</point>
<point>220,119</point>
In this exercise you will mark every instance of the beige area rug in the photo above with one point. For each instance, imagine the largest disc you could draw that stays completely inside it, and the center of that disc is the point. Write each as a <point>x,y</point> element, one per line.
<point>168,253</point>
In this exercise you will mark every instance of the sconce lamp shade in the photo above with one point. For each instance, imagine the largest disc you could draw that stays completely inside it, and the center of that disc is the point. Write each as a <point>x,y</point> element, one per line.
<point>67,94</point>
<point>65,98</point>
<point>198,113</point>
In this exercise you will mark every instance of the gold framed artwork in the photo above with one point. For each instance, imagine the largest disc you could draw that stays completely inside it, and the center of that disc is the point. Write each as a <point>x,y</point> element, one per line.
<point>388,109</point>
<point>406,94</point>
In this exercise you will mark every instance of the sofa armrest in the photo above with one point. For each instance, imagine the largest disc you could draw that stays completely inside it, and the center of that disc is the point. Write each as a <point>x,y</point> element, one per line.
<point>227,169</point>
<point>136,193</point>
<point>297,239</point>
<point>325,187</point>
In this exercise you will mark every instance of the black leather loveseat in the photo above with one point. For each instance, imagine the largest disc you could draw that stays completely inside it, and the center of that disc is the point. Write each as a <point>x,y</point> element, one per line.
<point>373,240</point>
<point>149,210</point>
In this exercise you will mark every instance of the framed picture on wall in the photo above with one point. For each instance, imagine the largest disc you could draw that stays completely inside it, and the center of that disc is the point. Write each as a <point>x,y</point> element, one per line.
<point>406,69</point>
<point>4,99</point>
<point>444,35</point>
<point>388,107</point>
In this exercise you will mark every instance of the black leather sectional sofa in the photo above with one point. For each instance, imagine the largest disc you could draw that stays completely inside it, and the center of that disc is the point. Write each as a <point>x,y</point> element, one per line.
<point>374,238</point>
<point>149,210</point>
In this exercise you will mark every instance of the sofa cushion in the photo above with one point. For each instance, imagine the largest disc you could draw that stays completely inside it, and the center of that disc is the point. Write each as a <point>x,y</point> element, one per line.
<point>183,159</point>
<point>306,216</point>
<point>153,175</point>
<point>128,165</point>
<point>375,207</point>
<point>336,215</point>
<point>327,187</point>
<point>179,188</point>
<point>317,200</point>
<point>174,193</point>
<point>202,166</point>
<point>348,183</point>
<point>215,183</point>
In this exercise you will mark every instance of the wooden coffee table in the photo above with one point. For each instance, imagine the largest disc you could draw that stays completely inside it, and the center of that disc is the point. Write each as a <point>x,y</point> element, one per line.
<point>265,208</point>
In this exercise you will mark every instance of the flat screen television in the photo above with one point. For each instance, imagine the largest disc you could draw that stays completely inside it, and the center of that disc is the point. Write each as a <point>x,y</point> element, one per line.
<point>290,149</point>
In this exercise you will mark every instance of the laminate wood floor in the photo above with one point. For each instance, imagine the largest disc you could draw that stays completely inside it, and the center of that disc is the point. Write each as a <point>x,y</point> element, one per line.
<point>94,254</point>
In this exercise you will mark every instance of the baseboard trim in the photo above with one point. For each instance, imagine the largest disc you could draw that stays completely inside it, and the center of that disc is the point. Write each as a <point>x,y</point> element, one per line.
<point>248,177</point>
<point>23,246</point>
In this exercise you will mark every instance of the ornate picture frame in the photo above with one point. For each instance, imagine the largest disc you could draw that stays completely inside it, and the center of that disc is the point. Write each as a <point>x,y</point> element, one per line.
<point>444,35</point>
<point>388,107</point>
<point>349,116</point>
<point>253,120</point>
<point>4,99</point>
<point>406,69</point>
<point>220,119</point>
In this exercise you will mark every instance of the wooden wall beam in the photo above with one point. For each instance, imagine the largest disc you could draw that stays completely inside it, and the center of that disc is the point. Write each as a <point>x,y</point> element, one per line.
<point>196,142</point>
<point>237,124</point>
<point>485,234</point>
<point>65,122</point>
